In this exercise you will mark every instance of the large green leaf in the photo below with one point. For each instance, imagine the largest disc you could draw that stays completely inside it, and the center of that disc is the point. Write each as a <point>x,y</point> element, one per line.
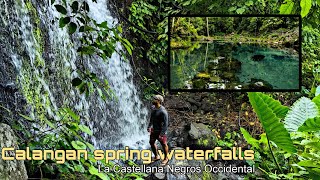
<point>95,171</point>
<point>309,163</point>
<point>287,7</point>
<point>85,129</point>
<point>277,108</point>
<point>72,27</point>
<point>64,21</point>
<point>78,145</point>
<point>75,6</point>
<point>305,7</point>
<point>26,117</point>
<point>301,110</point>
<point>311,124</point>
<point>268,111</point>
<point>240,10</point>
<point>316,100</point>
<point>249,138</point>
<point>72,114</point>
<point>60,9</point>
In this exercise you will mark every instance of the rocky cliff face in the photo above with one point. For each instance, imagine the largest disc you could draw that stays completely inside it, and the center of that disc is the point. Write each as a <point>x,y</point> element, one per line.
<point>13,169</point>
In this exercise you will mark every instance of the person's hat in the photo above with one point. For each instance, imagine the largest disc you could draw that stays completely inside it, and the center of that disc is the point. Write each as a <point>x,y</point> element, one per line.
<point>158,97</point>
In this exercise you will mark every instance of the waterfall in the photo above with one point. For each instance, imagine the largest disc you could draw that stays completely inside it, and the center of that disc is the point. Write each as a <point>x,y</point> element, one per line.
<point>45,59</point>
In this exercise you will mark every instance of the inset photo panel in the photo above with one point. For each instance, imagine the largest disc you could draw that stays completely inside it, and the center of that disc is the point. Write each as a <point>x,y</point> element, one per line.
<point>235,53</point>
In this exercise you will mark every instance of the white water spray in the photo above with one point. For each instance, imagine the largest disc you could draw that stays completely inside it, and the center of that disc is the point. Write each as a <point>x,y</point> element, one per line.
<point>47,68</point>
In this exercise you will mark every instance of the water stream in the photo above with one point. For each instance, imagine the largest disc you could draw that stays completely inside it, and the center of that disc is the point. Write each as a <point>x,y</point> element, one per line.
<point>45,59</point>
<point>224,65</point>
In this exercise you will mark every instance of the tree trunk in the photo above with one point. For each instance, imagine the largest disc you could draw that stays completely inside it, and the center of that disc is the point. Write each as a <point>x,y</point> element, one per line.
<point>207,27</point>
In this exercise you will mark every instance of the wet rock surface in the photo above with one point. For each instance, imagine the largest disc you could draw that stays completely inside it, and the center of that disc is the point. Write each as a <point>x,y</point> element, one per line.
<point>259,84</point>
<point>190,169</point>
<point>10,169</point>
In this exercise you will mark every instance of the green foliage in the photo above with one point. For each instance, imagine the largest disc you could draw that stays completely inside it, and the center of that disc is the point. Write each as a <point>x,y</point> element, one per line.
<point>94,171</point>
<point>311,124</point>
<point>305,7</point>
<point>269,112</point>
<point>61,9</point>
<point>66,130</point>
<point>305,162</point>
<point>229,140</point>
<point>286,8</point>
<point>97,39</point>
<point>151,88</point>
<point>88,82</point>
<point>310,54</point>
<point>66,134</point>
<point>249,138</point>
<point>301,110</point>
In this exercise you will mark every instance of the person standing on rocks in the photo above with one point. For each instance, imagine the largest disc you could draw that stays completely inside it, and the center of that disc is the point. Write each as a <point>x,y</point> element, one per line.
<point>157,127</point>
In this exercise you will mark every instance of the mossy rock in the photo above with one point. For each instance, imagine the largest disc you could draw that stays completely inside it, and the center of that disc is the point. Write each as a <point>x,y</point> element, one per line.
<point>203,75</point>
<point>228,75</point>
<point>215,79</point>
<point>259,84</point>
<point>233,65</point>
<point>199,84</point>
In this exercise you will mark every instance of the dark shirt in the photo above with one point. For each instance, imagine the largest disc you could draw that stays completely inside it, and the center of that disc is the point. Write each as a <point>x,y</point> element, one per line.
<point>159,120</point>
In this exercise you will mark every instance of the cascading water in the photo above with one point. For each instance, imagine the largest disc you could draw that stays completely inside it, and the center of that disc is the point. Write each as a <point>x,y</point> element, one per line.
<point>125,116</point>
<point>45,59</point>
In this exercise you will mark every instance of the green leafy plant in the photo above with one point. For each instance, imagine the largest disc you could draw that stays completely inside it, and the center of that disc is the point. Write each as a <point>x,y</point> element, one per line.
<point>302,159</point>
<point>301,110</point>
<point>96,39</point>
<point>269,112</point>
<point>229,140</point>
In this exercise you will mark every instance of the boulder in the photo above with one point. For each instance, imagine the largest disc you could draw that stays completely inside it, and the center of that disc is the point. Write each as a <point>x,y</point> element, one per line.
<point>198,130</point>
<point>200,137</point>
<point>182,173</point>
<point>257,57</point>
<point>13,169</point>
<point>206,105</point>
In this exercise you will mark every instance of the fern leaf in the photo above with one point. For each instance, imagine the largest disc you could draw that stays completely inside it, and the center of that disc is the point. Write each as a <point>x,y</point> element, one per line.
<point>268,111</point>
<point>311,124</point>
<point>300,111</point>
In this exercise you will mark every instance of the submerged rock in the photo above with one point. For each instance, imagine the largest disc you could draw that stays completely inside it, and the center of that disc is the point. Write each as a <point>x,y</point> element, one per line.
<point>278,57</point>
<point>188,84</point>
<point>238,87</point>
<point>228,75</point>
<point>257,57</point>
<point>233,65</point>
<point>215,79</point>
<point>199,84</point>
<point>259,84</point>
<point>216,86</point>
